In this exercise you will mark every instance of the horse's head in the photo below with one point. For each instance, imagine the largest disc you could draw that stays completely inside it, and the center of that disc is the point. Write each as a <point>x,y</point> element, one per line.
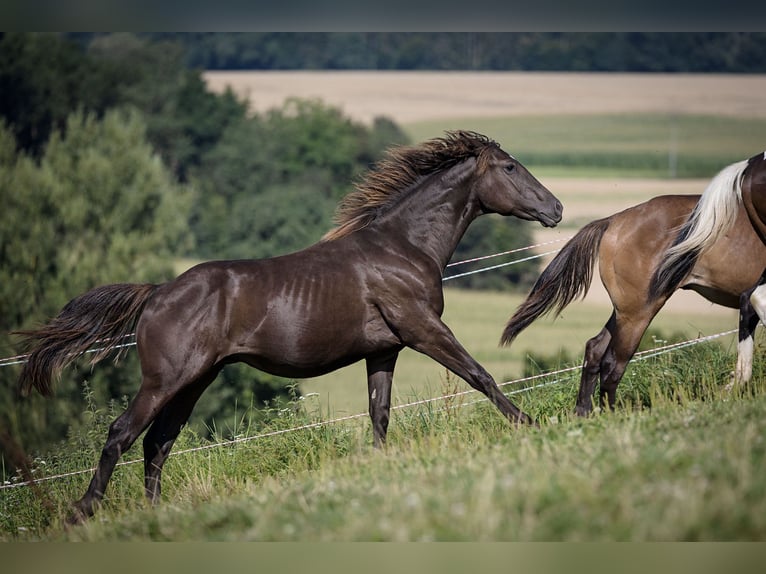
<point>503,185</point>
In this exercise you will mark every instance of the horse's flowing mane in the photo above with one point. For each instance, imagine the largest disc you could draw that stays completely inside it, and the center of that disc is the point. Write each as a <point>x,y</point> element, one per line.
<point>398,171</point>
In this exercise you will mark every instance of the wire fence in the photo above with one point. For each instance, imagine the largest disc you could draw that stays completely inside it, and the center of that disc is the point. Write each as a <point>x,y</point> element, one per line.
<point>642,355</point>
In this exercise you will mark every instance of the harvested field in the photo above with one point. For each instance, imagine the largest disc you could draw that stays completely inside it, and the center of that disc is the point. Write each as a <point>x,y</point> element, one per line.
<point>417,96</point>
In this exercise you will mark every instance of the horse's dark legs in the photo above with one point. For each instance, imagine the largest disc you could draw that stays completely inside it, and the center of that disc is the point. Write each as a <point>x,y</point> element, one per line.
<point>625,339</point>
<point>432,337</point>
<point>122,433</point>
<point>591,368</point>
<point>607,356</point>
<point>380,373</point>
<point>165,429</point>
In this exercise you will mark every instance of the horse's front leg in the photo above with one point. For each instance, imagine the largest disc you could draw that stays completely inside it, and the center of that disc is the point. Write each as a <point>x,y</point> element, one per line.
<point>432,337</point>
<point>748,321</point>
<point>380,373</point>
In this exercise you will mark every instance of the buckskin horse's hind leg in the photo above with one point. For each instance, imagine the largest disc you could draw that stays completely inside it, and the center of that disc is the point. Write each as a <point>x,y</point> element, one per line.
<point>607,355</point>
<point>595,349</point>
<point>626,337</point>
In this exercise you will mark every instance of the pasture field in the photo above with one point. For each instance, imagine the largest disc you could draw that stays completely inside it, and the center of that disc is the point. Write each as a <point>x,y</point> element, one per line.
<point>683,458</point>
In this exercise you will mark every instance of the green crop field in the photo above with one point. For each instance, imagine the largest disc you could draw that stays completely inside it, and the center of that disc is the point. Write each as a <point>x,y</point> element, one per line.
<point>624,145</point>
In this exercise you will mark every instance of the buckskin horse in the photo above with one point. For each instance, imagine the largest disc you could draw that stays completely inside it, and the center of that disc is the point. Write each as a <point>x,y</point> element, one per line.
<point>629,247</point>
<point>741,185</point>
<point>370,287</point>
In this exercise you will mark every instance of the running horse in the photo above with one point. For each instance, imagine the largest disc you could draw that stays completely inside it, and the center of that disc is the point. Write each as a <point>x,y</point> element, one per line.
<point>629,247</point>
<point>369,288</point>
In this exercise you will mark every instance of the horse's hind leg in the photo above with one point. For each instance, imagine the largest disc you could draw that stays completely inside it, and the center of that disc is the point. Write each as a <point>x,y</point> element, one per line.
<point>626,336</point>
<point>606,357</point>
<point>380,373</point>
<point>165,429</point>
<point>122,433</point>
<point>758,297</point>
<point>591,368</point>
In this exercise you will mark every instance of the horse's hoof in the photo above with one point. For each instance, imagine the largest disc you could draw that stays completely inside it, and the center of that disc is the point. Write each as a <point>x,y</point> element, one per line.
<point>76,517</point>
<point>581,411</point>
<point>525,419</point>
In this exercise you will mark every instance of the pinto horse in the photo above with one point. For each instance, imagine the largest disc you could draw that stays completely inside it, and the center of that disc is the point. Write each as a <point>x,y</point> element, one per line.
<point>629,246</point>
<point>739,185</point>
<point>369,288</point>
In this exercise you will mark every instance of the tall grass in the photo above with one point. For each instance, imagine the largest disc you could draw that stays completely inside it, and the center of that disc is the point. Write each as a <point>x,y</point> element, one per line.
<point>682,458</point>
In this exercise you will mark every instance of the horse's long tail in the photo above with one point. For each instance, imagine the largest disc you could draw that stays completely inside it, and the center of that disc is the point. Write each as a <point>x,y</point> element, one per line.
<point>713,216</point>
<point>100,318</point>
<point>565,278</point>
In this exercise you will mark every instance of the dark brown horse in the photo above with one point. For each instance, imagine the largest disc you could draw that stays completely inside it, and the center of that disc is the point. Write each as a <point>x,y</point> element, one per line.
<point>739,185</point>
<point>371,287</point>
<point>629,247</point>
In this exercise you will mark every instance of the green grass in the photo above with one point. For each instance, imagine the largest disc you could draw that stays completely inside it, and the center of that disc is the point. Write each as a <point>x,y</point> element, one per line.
<point>477,319</point>
<point>683,458</point>
<point>627,145</point>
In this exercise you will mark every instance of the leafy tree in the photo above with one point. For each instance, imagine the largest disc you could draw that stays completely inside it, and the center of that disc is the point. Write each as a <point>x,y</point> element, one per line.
<point>184,120</point>
<point>43,78</point>
<point>271,184</point>
<point>97,208</point>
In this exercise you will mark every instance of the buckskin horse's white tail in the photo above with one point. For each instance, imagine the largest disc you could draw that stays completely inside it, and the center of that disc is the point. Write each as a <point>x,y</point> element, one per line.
<point>713,216</point>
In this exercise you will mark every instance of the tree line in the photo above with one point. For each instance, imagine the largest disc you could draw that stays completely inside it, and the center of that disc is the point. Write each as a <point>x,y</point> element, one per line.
<point>116,163</point>
<point>724,52</point>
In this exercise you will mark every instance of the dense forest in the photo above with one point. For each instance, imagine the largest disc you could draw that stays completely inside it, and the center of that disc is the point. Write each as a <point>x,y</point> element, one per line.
<point>728,52</point>
<point>117,165</point>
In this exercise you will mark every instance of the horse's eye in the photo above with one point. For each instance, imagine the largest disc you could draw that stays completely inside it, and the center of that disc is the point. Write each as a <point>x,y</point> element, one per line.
<point>509,168</point>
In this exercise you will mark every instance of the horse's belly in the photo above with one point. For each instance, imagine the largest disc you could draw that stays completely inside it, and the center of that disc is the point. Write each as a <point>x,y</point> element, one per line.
<point>304,345</point>
<point>296,369</point>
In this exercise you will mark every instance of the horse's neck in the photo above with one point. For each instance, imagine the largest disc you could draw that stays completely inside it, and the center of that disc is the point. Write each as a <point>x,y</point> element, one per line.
<point>433,218</point>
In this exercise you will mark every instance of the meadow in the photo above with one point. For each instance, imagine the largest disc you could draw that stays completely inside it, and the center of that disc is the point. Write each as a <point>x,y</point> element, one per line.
<point>682,458</point>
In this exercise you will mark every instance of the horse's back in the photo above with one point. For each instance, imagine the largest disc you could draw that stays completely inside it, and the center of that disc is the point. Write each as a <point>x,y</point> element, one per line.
<point>637,238</point>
